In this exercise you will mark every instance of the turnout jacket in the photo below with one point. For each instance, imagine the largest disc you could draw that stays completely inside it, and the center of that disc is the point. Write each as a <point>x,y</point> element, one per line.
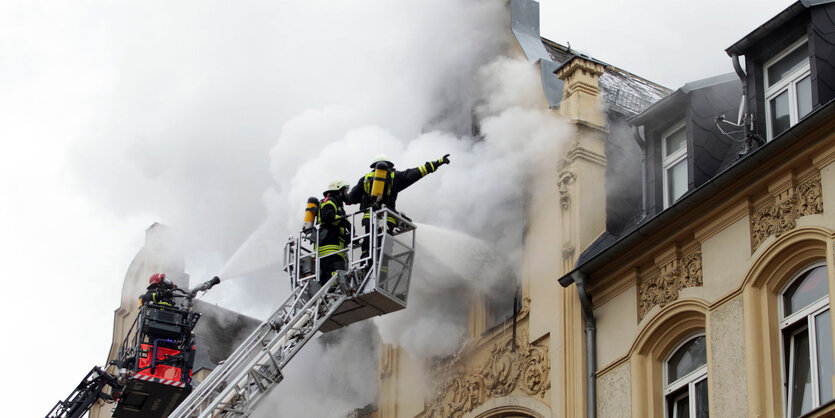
<point>335,230</point>
<point>159,294</point>
<point>396,182</point>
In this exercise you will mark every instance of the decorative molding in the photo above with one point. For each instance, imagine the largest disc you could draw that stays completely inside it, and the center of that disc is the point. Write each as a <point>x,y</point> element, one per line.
<point>780,216</point>
<point>824,158</point>
<point>608,290</point>
<point>387,359</point>
<point>567,178</point>
<point>726,217</point>
<point>576,151</point>
<point>526,369</point>
<point>662,289</point>
<point>525,309</point>
<point>611,366</point>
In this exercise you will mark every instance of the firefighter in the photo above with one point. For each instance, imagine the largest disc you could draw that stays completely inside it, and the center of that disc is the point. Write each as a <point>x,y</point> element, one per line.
<point>160,291</point>
<point>395,182</point>
<point>335,231</point>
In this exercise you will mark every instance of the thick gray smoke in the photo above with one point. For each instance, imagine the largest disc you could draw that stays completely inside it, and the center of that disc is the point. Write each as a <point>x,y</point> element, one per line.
<point>471,213</point>
<point>481,194</point>
<point>332,376</point>
<point>336,84</point>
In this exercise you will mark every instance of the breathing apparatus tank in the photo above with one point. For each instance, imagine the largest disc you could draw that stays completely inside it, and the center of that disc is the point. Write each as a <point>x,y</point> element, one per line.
<point>379,184</point>
<point>310,212</point>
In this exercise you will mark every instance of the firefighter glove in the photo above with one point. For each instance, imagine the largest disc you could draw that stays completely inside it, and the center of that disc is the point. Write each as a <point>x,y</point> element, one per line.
<point>443,160</point>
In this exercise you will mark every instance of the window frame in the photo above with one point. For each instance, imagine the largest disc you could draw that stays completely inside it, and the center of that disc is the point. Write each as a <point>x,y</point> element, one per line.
<point>670,161</point>
<point>797,322</point>
<point>788,83</point>
<point>689,380</point>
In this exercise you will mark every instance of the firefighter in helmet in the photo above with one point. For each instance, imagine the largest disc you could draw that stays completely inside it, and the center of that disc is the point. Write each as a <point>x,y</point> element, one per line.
<point>395,182</point>
<point>160,291</point>
<point>335,231</point>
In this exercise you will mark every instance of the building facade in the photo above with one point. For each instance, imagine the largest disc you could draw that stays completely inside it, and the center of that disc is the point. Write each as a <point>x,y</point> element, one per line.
<point>694,252</point>
<point>716,301</point>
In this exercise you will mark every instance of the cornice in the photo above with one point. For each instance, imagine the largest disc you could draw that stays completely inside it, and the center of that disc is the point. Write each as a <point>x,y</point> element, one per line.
<point>727,217</point>
<point>583,153</point>
<point>824,159</point>
<point>608,290</point>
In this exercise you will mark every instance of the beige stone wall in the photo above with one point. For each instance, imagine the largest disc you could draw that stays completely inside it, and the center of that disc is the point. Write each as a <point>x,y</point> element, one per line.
<point>749,244</point>
<point>725,258</point>
<point>614,393</point>
<point>825,162</point>
<point>617,322</point>
<point>726,361</point>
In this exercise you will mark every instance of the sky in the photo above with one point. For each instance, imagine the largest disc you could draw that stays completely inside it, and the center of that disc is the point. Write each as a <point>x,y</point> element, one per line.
<point>211,116</point>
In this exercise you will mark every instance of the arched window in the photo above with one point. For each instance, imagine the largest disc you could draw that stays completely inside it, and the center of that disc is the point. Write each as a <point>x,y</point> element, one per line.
<point>807,340</point>
<point>685,380</point>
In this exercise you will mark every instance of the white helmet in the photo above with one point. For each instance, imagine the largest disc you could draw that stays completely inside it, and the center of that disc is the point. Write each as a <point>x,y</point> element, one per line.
<point>381,158</point>
<point>336,185</point>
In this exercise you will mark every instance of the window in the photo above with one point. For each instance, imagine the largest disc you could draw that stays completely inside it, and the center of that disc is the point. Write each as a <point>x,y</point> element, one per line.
<point>807,341</point>
<point>685,375</point>
<point>674,163</point>
<point>788,88</point>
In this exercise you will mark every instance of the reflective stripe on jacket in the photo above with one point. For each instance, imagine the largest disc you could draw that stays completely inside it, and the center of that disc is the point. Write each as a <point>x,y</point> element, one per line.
<point>333,233</point>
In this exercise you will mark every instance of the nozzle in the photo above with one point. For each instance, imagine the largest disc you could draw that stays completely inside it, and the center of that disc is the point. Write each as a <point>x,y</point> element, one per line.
<point>205,286</point>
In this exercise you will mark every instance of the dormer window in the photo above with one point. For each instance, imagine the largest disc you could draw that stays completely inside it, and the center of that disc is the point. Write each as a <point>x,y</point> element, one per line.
<point>674,163</point>
<point>788,88</point>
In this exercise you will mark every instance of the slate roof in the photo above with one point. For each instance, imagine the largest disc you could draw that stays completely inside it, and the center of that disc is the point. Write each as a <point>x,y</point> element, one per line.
<point>781,19</point>
<point>623,91</point>
<point>218,333</point>
<point>606,248</point>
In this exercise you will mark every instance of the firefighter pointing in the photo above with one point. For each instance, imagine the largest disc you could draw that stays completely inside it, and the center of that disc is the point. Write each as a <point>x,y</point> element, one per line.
<point>381,186</point>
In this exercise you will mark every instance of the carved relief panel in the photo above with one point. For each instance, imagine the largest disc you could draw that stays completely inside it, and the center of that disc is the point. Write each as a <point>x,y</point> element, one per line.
<point>779,214</point>
<point>674,271</point>
<point>525,369</point>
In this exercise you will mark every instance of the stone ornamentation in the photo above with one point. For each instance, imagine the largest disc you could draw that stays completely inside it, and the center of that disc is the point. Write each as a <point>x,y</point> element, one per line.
<point>781,216</point>
<point>663,289</point>
<point>566,180</point>
<point>526,369</point>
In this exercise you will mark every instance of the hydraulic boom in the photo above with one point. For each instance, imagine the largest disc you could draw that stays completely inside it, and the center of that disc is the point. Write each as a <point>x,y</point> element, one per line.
<point>376,283</point>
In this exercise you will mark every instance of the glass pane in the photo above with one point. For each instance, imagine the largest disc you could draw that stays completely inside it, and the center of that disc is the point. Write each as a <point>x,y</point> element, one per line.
<point>678,406</point>
<point>676,181</point>
<point>689,357</point>
<point>789,63</point>
<point>823,338</point>
<point>701,400</point>
<point>807,288</point>
<point>804,96</point>
<point>676,141</point>
<point>683,407</point>
<point>779,108</point>
<point>800,383</point>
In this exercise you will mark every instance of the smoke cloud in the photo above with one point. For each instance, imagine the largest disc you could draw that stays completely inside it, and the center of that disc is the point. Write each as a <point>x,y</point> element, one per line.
<point>230,138</point>
<point>330,377</point>
<point>472,212</point>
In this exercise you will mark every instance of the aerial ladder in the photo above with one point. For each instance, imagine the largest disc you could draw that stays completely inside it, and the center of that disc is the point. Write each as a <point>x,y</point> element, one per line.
<point>379,258</point>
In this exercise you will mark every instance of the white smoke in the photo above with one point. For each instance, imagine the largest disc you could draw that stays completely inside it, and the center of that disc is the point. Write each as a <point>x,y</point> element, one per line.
<point>482,194</point>
<point>336,84</point>
<point>332,376</point>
